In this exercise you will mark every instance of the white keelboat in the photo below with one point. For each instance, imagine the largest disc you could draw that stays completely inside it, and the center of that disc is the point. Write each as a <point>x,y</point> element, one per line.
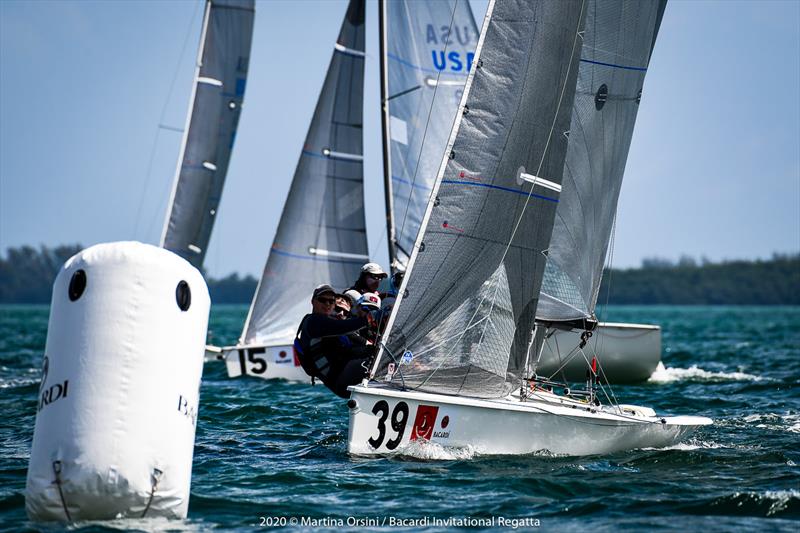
<point>550,104</point>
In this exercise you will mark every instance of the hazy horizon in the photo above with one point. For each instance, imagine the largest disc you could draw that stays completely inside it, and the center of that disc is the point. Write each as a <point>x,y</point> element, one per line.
<point>713,170</point>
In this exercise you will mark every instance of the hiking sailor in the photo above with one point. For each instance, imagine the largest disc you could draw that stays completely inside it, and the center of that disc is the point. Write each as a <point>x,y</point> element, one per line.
<point>369,278</point>
<point>322,352</point>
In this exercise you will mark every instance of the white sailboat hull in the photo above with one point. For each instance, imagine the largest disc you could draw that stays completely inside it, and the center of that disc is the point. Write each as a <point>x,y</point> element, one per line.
<point>627,353</point>
<point>265,362</point>
<point>385,421</point>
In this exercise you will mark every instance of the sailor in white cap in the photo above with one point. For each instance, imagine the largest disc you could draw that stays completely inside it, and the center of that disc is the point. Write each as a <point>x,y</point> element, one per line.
<point>369,278</point>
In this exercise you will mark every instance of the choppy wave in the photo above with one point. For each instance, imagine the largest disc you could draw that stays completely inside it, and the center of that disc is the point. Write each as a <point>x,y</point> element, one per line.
<point>774,421</point>
<point>663,374</point>
<point>431,451</point>
<point>692,445</point>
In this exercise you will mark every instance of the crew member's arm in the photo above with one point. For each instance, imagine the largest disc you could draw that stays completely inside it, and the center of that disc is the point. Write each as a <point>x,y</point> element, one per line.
<point>323,326</point>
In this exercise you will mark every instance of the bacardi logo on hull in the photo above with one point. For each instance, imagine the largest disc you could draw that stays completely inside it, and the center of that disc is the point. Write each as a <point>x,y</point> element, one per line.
<point>424,422</point>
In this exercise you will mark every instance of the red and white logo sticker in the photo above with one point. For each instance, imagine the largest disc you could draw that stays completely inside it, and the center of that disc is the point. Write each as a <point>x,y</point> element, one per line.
<point>424,422</point>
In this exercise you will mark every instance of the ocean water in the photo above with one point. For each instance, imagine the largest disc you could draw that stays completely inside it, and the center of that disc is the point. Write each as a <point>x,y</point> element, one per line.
<point>273,451</point>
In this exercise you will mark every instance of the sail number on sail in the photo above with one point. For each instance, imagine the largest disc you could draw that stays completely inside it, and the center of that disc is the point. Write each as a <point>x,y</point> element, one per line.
<point>450,60</point>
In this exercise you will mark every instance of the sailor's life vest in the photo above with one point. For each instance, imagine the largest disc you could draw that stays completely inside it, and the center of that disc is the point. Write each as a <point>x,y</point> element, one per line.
<point>324,354</point>
<point>309,352</point>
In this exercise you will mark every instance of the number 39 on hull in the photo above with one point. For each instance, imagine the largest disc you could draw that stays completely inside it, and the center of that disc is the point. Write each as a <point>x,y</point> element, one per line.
<point>386,421</point>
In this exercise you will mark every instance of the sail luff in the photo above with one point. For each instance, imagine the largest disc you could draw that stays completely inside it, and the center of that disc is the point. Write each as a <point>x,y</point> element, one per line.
<point>187,123</point>
<point>385,145</point>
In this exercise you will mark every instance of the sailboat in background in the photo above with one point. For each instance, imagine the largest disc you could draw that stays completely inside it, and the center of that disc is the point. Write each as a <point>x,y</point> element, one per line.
<point>321,236</point>
<point>459,351</point>
<point>214,110</point>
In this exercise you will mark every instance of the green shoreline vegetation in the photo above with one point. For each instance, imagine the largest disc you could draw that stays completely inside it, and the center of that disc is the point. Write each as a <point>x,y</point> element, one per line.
<point>27,275</point>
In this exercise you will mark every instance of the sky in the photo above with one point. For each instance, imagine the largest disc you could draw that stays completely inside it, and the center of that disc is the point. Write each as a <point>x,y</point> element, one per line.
<point>713,170</point>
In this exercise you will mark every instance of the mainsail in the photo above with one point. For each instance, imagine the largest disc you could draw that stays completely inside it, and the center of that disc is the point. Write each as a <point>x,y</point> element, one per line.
<point>617,45</point>
<point>427,50</point>
<point>321,236</point>
<point>215,107</point>
<point>467,306</point>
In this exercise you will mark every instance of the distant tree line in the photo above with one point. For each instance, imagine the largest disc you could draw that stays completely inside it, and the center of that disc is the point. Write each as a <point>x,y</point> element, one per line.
<point>27,275</point>
<point>773,281</point>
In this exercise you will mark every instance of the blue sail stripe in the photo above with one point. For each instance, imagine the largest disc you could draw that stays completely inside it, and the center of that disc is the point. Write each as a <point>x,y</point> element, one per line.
<point>643,69</point>
<point>313,258</point>
<point>414,185</point>
<point>507,189</point>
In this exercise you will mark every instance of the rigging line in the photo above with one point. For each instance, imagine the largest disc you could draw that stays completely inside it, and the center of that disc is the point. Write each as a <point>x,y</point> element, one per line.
<point>149,171</point>
<point>428,120</point>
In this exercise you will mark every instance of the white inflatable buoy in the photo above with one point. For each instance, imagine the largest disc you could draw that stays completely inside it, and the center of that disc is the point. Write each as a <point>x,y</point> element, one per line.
<point>117,407</point>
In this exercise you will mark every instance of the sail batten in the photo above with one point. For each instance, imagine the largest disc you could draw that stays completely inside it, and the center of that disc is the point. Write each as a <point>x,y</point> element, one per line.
<point>214,111</point>
<point>321,236</point>
<point>467,306</point>
<point>616,50</point>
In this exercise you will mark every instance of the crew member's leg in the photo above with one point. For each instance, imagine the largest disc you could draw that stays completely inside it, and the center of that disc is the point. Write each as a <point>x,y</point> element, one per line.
<point>353,372</point>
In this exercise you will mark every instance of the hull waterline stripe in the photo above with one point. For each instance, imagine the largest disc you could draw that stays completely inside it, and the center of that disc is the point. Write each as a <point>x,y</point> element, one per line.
<point>642,69</point>
<point>309,258</point>
<point>507,189</point>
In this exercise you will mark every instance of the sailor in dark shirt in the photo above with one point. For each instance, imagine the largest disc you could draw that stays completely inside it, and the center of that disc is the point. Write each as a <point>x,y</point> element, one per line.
<point>320,348</point>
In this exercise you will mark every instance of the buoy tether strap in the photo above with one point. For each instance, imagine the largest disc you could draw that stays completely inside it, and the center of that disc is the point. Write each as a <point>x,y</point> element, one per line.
<point>156,478</point>
<point>57,472</point>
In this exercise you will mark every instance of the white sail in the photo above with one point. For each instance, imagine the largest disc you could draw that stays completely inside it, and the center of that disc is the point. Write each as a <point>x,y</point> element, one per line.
<point>617,45</point>
<point>427,51</point>
<point>214,110</point>
<point>321,236</point>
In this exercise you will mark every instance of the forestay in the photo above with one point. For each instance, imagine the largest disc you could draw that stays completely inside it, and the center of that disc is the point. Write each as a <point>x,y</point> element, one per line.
<point>321,236</point>
<point>215,107</point>
<point>616,50</point>
<point>429,50</point>
<point>475,273</point>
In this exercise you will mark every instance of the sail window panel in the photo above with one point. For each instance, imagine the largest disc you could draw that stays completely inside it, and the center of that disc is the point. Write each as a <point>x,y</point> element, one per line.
<point>615,53</point>
<point>324,210</point>
<point>398,130</point>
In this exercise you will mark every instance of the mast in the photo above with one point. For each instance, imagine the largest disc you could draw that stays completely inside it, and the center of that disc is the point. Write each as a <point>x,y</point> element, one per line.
<point>198,63</point>
<point>387,164</point>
